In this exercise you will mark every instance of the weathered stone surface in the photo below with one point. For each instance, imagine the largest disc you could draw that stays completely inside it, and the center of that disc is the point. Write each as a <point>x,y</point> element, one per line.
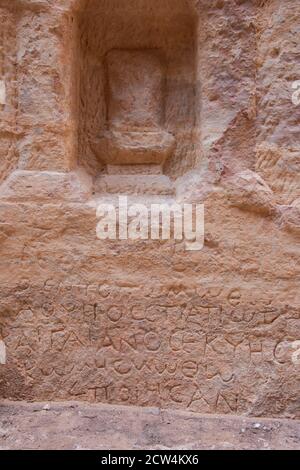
<point>146,322</point>
<point>248,191</point>
<point>129,148</point>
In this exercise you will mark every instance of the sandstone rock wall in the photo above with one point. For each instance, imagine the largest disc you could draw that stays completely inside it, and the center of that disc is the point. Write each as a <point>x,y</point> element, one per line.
<point>148,323</point>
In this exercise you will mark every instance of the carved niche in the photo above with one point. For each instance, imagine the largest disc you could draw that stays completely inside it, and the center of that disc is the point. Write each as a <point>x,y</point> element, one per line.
<point>138,80</point>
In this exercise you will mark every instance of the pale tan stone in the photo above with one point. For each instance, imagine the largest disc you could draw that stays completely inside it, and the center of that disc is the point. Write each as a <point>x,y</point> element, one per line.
<point>166,101</point>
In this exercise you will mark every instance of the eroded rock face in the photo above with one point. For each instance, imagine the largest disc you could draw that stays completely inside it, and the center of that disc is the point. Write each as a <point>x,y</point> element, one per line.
<point>205,111</point>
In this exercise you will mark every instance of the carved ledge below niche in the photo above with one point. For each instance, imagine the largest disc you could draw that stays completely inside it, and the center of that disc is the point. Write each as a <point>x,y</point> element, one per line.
<point>134,185</point>
<point>134,148</point>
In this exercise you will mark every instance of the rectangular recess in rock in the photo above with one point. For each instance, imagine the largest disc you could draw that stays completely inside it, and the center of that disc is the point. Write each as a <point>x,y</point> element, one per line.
<point>137,83</point>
